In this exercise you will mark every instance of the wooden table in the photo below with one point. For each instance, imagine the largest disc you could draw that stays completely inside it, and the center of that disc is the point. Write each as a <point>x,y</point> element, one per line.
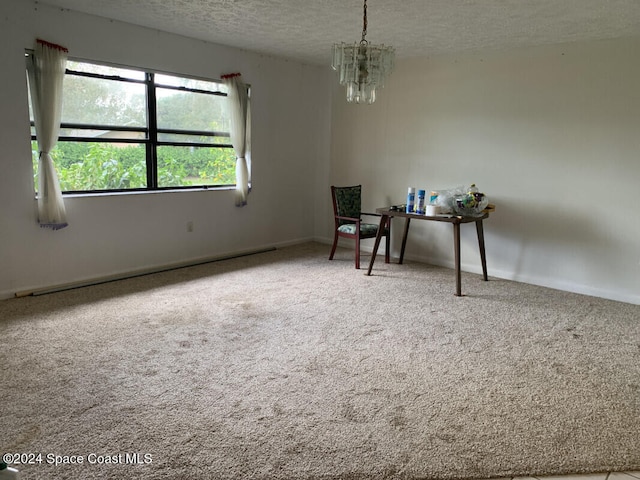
<point>386,214</point>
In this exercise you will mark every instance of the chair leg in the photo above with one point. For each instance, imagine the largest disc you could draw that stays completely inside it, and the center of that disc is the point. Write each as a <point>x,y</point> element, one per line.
<point>335,244</point>
<point>387,241</point>
<point>357,252</point>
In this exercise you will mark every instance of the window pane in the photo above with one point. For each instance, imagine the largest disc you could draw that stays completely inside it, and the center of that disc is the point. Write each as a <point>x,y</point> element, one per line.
<point>105,70</point>
<point>171,81</point>
<point>97,101</point>
<point>98,166</point>
<point>191,166</point>
<point>191,111</point>
<point>181,138</point>
<point>109,134</point>
<point>101,134</point>
<point>105,108</point>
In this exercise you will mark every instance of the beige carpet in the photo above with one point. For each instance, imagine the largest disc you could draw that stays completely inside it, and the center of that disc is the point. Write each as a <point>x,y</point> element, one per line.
<point>284,365</point>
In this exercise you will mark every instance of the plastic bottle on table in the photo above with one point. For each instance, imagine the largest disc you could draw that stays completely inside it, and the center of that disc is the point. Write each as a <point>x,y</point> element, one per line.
<point>420,204</point>
<point>411,199</point>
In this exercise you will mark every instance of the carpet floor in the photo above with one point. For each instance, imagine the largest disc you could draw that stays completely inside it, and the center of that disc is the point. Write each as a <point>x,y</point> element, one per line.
<point>284,365</point>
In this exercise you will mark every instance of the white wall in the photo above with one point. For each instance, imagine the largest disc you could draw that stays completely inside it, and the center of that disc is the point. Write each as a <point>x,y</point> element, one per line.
<point>550,134</point>
<point>122,233</point>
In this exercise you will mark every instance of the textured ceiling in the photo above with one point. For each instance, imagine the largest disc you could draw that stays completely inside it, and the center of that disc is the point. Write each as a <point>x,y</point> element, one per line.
<point>304,30</point>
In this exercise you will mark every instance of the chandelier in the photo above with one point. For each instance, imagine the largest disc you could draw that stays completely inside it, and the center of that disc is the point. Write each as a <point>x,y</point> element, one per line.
<point>362,67</point>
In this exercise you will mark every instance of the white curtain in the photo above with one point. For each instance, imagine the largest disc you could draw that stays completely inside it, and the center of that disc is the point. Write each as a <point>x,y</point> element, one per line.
<point>240,110</point>
<point>46,74</point>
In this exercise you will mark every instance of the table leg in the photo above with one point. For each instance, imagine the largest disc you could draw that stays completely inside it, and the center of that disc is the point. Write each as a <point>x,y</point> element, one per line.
<point>483,257</point>
<point>456,251</point>
<point>387,250</point>
<point>383,223</point>
<point>404,239</point>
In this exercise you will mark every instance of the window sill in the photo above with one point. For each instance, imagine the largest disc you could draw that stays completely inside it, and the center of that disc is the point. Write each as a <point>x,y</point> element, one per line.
<point>119,193</point>
<point>148,192</point>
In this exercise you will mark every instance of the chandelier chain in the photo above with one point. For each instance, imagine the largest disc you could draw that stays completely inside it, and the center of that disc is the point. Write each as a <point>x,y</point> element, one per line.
<point>364,24</point>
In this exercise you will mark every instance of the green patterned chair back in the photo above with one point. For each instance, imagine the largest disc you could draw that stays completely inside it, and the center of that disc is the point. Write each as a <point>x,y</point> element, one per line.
<point>348,202</point>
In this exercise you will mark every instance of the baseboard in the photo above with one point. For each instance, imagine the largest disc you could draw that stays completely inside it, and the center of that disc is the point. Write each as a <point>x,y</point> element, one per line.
<point>135,273</point>
<point>85,282</point>
<point>566,286</point>
<point>554,283</point>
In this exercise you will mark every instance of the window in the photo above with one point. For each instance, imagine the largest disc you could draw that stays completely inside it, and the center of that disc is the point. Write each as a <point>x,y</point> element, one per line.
<point>124,129</point>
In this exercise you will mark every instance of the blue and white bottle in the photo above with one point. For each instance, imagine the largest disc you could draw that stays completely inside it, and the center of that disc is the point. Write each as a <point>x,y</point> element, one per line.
<point>411,199</point>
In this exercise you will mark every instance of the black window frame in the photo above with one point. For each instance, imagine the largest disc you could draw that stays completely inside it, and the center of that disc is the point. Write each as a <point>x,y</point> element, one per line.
<point>151,131</point>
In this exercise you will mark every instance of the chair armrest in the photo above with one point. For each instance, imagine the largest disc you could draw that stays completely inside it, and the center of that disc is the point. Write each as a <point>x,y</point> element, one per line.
<point>347,218</point>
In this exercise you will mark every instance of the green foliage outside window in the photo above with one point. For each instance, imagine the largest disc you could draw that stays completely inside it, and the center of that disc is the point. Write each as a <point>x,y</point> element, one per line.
<point>83,166</point>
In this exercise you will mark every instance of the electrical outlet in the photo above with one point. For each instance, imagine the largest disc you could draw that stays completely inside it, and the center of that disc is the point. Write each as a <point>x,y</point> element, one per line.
<point>189,226</point>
